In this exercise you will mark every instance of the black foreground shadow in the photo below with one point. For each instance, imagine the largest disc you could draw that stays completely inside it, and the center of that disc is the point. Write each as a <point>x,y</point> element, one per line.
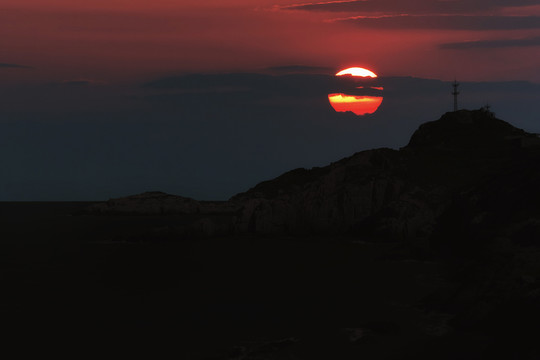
<point>463,284</point>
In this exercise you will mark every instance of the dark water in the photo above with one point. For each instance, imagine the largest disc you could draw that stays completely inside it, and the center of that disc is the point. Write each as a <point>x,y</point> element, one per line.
<point>89,282</point>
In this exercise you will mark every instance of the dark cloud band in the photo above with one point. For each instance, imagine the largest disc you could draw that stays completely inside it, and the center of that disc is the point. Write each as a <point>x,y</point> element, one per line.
<point>454,22</point>
<point>492,44</point>
<point>300,69</point>
<point>14,66</point>
<point>415,7</point>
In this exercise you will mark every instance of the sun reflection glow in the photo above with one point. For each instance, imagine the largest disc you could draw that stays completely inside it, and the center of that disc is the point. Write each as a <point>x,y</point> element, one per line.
<point>359,105</point>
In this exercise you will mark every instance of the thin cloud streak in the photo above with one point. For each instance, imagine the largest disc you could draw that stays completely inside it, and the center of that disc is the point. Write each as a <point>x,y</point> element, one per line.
<point>14,66</point>
<point>417,7</point>
<point>81,82</point>
<point>449,22</point>
<point>492,44</point>
<point>300,69</point>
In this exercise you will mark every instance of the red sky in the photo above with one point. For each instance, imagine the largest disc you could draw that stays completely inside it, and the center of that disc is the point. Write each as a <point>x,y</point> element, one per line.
<point>112,40</point>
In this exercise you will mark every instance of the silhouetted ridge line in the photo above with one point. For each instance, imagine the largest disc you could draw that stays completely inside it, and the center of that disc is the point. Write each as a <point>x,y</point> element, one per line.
<point>379,195</point>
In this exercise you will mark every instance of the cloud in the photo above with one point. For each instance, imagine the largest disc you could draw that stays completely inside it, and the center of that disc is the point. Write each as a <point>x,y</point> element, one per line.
<point>416,7</point>
<point>455,22</point>
<point>14,66</point>
<point>75,83</point>
<point>257,85</point>
<point>492,44</point>
<point>300,69</point>
<point>81,82</point>
<point>209,81</point>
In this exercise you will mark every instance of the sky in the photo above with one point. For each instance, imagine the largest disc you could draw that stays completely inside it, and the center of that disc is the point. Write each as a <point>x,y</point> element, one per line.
<point>111,40</point>
<point>107,98</point>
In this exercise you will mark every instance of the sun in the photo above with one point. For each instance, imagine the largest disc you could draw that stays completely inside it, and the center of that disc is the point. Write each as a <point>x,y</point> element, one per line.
<point>360,100</point>
<point>357,71</point>
<point>359,105</point>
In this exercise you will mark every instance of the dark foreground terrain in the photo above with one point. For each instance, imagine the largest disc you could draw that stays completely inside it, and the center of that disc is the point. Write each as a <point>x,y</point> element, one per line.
<point>432,251</point>
<point>80,285</point>
<point>69,284</point>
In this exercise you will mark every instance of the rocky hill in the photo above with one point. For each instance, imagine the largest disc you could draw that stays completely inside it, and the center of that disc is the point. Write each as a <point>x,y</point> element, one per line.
<point>463,193</point>
<point>379,195</point>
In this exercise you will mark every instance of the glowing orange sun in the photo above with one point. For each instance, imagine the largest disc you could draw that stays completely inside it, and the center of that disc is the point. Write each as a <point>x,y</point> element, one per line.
<point>359,105</point>
<point>359,101</point>
<point>357,71</point>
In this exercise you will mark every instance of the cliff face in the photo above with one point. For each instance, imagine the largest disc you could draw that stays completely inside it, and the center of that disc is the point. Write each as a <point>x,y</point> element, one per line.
<point>389,194</point>
<point>463,193</point>
<point>382,194</point>
<point>337,199</point>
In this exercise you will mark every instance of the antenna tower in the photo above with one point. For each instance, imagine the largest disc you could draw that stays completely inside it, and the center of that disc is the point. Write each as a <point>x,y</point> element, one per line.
<point>455,93</point>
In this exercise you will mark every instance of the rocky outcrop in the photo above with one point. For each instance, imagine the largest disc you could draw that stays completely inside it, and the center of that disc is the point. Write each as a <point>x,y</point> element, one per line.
<point>388,194</point>
<point>159,203</point>
<point>381,194</point>
<point>464,193</point>
<point>149,203</point>
<point>339,199</point>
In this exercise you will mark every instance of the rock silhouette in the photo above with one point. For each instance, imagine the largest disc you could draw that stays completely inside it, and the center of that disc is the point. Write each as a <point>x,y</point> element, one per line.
<point>439,180</point>
<point>464,189</point>
<point>447,266</point>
